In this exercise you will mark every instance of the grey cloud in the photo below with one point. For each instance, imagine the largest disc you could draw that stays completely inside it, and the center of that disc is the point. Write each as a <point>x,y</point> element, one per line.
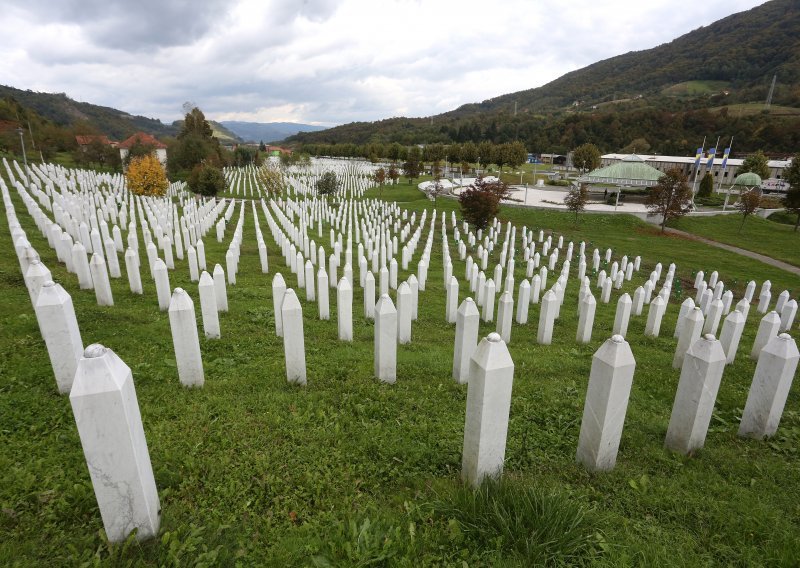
<point>141,25</point>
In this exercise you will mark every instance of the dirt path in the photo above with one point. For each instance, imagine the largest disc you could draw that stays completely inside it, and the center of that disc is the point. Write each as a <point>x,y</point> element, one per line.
<point>748,253</point>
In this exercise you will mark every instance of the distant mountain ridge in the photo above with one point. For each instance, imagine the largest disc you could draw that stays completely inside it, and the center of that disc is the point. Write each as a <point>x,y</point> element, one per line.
<point>267,131</point>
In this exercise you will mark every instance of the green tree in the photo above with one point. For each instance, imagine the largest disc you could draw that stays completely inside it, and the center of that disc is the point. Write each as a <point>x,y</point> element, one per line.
<point>413,166</point>
<point>480,202</point>
<point>517,154</point>
<point>500,155</point>
<point>469,152</point>
<point>586,157</point>
<point>756,163</point>
<point>486,153</point>
<point>706,185</point>
<point>194,122</point>
<point>636,146</point>
<point>792,199</point>
<point>394,151</point>
<point>671,197</point>
<point>206,180</point>
<point>328,184</point>
<point>138,150</point>
<point>194,145</point>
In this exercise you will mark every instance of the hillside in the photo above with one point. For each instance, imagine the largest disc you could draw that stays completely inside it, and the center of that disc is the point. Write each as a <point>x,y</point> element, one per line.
<point>64,111</point>
<point>744,50</point>
<point>669,86</point>
<point>267,131</point>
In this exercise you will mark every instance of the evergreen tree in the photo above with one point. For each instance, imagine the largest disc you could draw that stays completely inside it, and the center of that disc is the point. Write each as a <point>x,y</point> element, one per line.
<point>706,185</point>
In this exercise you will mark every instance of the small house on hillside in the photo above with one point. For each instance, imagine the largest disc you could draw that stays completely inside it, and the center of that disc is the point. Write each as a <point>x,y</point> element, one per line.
<point>86,139</point>
<point>144,139</point>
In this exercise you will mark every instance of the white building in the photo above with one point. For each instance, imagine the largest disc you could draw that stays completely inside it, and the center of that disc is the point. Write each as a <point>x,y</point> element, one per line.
<point>145,140</point>
<point>686,164</point>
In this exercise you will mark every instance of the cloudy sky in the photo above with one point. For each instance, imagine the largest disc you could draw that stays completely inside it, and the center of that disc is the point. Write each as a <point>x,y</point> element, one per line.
<point>322,61</point>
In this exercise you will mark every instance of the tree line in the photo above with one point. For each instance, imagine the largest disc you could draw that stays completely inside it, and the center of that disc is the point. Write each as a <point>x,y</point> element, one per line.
<point>664,127</point>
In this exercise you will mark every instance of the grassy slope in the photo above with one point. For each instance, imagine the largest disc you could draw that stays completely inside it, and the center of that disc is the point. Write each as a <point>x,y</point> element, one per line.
<point>777,240</point>
<point>251,469</point>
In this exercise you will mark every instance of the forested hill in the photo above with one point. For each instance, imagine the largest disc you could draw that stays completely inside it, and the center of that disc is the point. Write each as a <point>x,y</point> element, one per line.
<point>743,50</point>
<point>64,111</point>
<point>711,81</point>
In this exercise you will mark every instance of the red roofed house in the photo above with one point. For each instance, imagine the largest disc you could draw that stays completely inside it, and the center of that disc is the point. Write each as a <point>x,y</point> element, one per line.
<point>145,140</point>
<point>85,140</point>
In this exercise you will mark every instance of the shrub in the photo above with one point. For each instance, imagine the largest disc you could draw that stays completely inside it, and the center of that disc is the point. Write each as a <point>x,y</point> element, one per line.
<point>146,176</point>
<point>206,180</point>
<point>713,200</point>
<point>480,202</point>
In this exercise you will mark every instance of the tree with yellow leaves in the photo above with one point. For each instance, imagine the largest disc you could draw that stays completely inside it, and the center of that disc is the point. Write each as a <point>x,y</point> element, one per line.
<point>146,176</point>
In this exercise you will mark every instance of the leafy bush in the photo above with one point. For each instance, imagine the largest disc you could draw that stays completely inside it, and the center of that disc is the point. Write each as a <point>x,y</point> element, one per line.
<point>712,200</point>
<point>206,180</point>
<point>480,202</point>
<point>328,184</point>
<point>771,202</point>
<point>146,176</point>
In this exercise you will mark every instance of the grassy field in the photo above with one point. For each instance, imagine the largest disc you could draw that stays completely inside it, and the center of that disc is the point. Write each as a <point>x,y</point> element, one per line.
<point>349,472</point>
<point>771,238</point>
<point>695,88</point>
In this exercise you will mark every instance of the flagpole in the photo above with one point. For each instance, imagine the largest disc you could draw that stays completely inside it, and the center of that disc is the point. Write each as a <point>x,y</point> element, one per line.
<point>697,168</point>
<point>724,169</point>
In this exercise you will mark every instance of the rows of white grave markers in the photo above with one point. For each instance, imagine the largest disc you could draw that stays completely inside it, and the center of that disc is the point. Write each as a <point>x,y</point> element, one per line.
<point>97,379</point>
<point>355,178</point>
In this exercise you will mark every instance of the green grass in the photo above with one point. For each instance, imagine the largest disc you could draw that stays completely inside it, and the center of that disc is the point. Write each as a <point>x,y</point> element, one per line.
<point>695,88</point>
<point>784,217</point>
<point>776,240</point>
<point>349,472</point>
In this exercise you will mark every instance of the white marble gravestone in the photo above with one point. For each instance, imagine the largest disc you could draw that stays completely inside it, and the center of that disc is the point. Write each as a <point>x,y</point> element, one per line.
<point>208,306</point>
<point>769,390</point>
<point>606,404</point>
<point>294,348</point>
<point>701,375</point>
<point>385,340</point>
<point>488,405</point>
<point>185,339</point>
<point>59,328</point>
<point>278,290</point>
<point>106,411</point>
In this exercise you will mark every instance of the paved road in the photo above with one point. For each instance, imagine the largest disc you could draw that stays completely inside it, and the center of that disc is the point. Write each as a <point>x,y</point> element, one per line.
<point>748,253</point>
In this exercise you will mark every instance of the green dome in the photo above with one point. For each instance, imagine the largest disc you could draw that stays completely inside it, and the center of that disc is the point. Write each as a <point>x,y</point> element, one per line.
<point>631,170</point>
<point>748,179</point>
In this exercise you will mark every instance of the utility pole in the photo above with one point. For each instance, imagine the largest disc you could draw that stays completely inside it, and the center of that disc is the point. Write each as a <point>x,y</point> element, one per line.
<point>771,92</point>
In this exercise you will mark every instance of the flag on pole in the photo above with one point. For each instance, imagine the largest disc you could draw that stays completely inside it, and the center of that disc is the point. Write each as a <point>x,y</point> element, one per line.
<point>697,157</point>
<point>711,153</point>
<point>725,157</point>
